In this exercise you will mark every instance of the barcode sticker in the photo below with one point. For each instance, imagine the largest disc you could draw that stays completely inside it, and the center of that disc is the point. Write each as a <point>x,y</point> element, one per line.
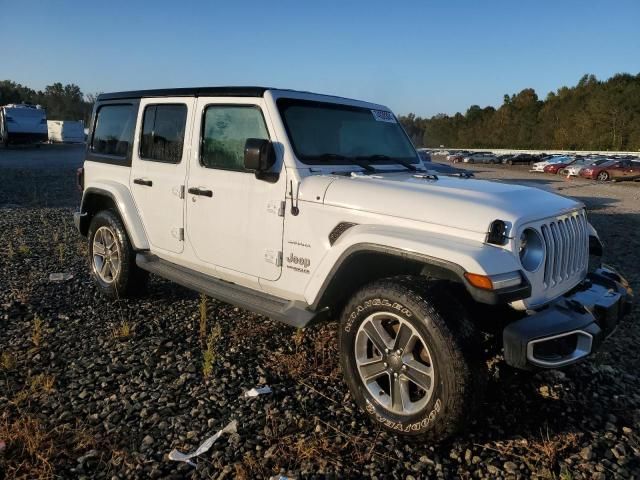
<point>383,116</point>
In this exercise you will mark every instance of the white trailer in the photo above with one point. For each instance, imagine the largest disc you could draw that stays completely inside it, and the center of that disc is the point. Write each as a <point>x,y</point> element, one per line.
<point>65,131</point>
<point>21,123</point>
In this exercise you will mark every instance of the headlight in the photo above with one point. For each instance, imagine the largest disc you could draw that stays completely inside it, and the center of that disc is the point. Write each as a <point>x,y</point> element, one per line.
<point>531,249</point>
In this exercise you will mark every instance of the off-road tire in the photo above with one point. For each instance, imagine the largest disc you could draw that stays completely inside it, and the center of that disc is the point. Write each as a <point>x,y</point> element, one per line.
<point>460,374</point>
<point>130,280</point>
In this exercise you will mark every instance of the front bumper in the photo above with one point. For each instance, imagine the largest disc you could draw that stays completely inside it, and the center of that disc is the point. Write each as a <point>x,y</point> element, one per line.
<point>572,327</point>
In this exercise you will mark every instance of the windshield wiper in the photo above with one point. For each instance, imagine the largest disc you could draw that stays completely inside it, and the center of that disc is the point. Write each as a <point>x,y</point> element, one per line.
<point>404,163</point>
<point>361,162</point>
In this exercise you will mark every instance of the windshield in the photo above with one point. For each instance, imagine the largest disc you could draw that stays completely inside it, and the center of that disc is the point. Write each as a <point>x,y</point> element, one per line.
<point>331,134</point>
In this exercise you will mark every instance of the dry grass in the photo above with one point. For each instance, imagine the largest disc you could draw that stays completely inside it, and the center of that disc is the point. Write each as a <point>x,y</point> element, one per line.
<point>543,455</point>
<point>62,248</point>
<point>32,448</point>
<point>209,355</point>
<point>36,386</point>
<point>29,450</point>
<point>123,331</point>
<point>202,307</point>
<point>36,331</point>
<point>314,356</point>
<point>326,447</point>
<point>7,361</point>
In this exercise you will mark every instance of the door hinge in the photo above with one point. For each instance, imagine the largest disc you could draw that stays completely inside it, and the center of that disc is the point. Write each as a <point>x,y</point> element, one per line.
<point>279,259</point>
<point>283,205</point>
<point>181,234</point>
<point>181,192</point>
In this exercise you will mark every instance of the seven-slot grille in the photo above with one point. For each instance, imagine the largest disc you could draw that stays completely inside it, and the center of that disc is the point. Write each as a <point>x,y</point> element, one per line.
<point>567,243</point>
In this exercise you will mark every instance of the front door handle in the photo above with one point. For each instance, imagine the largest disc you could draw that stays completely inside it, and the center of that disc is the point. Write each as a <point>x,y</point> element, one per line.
<point>198,191</point>
<point>142,181</point>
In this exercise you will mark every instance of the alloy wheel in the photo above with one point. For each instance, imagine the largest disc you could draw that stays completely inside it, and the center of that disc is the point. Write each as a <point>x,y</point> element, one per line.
<point>394,363</point>
<point>106,255</point>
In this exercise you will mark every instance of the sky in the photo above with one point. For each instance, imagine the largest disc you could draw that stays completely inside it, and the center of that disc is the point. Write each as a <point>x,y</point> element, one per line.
<point>425,57</point>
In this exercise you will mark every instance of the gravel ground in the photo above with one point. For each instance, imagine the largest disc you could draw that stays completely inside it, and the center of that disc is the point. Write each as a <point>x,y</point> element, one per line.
<point>92,389</point>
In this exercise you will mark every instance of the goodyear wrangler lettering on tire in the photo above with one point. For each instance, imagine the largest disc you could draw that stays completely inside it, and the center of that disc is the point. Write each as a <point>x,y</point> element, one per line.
<point>403,352</point>
<point>375,302</point>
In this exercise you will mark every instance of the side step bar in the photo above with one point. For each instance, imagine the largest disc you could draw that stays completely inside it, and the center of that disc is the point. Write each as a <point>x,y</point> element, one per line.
<point>293,313</point>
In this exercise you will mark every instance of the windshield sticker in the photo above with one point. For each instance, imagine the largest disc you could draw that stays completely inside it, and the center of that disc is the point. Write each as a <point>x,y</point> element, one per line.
<point>383,116</point>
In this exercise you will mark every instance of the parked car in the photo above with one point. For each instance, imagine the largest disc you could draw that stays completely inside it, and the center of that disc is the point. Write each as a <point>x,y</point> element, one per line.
<point>307,208</point>
<point>555,167</point>
<point>573,170</point>
<point>522,159</point>
<point>616,170</point>
<point>480,157</point>
<point>425,155</point>
<point>21,123</point>
<point>457,156</point>
<point>539,166</point>
<point>504,157</point>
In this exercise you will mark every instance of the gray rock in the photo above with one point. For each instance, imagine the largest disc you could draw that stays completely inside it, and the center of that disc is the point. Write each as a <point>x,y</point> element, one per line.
<point>587,453</point>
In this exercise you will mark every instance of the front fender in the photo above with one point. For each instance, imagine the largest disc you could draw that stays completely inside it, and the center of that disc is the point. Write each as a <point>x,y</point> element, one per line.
<point>456,254</point>
<point>124,203</point>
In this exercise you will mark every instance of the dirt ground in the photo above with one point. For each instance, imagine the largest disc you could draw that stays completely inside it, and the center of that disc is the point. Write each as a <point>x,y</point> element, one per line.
<point>95,389</point>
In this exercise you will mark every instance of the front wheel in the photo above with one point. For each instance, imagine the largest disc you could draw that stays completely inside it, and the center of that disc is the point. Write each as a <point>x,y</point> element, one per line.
<point>603,177</point>
<point>112,258</point>
<point>406,353</point>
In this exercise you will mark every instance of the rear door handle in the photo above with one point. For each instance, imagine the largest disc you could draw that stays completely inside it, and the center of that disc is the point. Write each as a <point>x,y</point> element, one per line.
<point>142,181</point>
<point>203,193</point>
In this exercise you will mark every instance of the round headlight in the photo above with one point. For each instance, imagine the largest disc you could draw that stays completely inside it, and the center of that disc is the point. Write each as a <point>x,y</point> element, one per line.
<point>531,249</point>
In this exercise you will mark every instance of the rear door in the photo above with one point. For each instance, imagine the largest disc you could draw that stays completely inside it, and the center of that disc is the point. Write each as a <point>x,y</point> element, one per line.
<point>159,169</point>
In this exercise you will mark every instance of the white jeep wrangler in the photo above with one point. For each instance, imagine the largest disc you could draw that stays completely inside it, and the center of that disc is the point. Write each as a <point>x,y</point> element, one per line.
<point>306,207</point>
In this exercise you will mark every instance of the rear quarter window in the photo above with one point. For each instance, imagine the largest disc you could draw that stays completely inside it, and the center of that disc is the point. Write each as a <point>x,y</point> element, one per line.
<point>113,133</point>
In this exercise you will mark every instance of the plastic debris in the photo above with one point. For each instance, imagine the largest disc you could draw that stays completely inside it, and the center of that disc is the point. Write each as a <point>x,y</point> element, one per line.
<point>232,427</point>
<point>60,277</point>
<point>281,477</point>
<point>254,392</point>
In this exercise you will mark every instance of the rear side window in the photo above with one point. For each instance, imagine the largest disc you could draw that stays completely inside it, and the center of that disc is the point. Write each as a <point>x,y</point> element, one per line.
<point>113,132</point>
<point>224,133</point>
<point>163,133</point>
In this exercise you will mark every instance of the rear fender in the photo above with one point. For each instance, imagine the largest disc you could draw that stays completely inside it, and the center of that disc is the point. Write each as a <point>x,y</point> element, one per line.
<point>124,204</point>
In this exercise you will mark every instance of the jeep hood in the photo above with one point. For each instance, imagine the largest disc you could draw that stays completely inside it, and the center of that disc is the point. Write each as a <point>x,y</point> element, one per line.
<point>448,201</point>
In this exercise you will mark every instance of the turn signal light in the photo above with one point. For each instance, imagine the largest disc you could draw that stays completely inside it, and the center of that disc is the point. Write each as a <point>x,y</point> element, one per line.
<point>479,281</point>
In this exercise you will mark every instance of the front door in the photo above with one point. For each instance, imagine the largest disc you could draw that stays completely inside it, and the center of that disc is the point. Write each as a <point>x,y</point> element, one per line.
<point>234,220</point>
<point>159,168</point>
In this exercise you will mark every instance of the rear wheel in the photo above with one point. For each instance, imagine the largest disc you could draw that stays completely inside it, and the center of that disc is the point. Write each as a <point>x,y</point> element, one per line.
<point>603,177</point>
<point>407,356</point>
<point>509,162</point>
<point>112,258</point>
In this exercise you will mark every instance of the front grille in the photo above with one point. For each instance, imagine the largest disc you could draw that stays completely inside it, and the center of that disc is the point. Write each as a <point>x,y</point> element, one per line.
<point>567,243</point>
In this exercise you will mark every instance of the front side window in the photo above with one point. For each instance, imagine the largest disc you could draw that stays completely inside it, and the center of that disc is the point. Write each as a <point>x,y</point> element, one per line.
<point>113,132</point>
<point>224,133</point>
<point>162,137</point>
<point>327,133</point>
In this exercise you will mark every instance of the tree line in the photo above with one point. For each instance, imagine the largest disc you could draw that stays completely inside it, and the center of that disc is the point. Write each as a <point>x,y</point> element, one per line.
<point>593,115</point>
<point>62,102</point>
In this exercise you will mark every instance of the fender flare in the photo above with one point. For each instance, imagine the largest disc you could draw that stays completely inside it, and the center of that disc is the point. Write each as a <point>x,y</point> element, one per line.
<point>426,249</point>
<point>125,206</point>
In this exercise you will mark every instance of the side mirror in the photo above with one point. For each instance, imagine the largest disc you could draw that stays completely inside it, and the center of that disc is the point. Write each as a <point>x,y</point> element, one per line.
<point>259,155</point>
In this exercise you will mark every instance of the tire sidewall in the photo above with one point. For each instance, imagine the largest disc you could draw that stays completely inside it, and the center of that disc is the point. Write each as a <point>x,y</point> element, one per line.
<point>420,422</point>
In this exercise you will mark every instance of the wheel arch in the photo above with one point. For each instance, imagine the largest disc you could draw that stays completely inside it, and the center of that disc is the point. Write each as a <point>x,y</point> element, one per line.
<point>118,198</point>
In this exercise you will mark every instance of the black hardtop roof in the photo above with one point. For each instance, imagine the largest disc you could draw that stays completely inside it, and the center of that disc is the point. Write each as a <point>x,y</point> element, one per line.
<point>187,92</point>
